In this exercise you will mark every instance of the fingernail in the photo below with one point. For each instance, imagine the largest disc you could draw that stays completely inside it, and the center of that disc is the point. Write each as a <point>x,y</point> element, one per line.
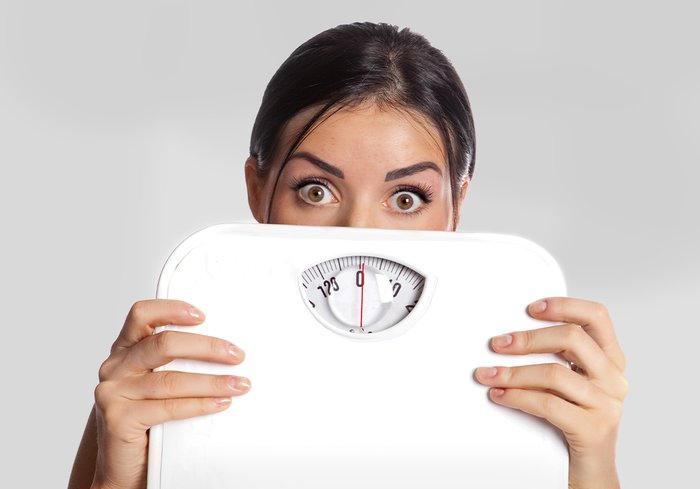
<point>196,313</point>
<point>222,401</point>
<point>497,392</point>
<point>503,340</point>
<point>234,351</point>
<point>486,372</point>
<point>538,306</point>
<point>239,385</point>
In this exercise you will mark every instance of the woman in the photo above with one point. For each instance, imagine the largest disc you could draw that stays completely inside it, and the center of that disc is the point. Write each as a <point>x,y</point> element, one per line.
<point>363,125</point>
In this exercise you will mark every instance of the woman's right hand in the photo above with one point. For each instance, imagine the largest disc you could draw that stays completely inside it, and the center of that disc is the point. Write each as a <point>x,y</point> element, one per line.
<point>131,398</point>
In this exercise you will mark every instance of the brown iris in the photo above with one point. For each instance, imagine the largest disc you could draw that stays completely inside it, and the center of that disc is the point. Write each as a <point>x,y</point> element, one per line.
<point>404,201</point>
<point>315,193</point>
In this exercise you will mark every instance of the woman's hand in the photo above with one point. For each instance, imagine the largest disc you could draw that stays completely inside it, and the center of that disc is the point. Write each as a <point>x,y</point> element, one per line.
<point>131,398</point>
<point>585,402</point>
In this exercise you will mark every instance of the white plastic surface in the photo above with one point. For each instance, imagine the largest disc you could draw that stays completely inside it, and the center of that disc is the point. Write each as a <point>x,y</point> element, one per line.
<point>327,411</point>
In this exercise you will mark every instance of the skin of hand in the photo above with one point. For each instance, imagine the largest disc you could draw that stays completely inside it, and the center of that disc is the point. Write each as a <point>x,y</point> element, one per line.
<point>130,397</point>
<point>584,402</point>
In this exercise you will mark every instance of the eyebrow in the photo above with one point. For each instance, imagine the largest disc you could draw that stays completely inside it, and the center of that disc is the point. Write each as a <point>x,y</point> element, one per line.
<point>391,175</point>
<point>333,170</point>
<point>410,170</point>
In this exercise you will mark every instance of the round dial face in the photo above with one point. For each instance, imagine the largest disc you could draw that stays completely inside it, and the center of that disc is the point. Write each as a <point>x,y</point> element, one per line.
<point>356,295</point>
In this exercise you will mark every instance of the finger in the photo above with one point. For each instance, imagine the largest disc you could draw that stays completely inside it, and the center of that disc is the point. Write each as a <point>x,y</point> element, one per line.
<point>561,413</point>
<point>551,377</point>
<point>173,384</point>
<point>153,412</point>
<point>568,340</point>
<point>593,317</point>
<point>144,316</point>
<point>161,348</point>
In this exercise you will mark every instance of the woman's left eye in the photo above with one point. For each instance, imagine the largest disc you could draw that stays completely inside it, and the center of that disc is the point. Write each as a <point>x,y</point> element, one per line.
<point>315,194</point>
<point>405,201</point>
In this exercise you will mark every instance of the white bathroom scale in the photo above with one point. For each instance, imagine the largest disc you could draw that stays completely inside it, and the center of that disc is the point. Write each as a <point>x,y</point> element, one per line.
<point>361,346</point>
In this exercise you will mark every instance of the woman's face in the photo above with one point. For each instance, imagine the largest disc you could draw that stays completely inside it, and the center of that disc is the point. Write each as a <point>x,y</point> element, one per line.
<point>361,167</point>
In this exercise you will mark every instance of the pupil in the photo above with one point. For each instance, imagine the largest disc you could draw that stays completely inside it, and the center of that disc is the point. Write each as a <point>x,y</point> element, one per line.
<point>405,201</point>
<point>316,194</point>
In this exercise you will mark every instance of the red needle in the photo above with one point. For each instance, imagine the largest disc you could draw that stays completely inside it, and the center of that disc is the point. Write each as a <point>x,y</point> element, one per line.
<point>362,295</point>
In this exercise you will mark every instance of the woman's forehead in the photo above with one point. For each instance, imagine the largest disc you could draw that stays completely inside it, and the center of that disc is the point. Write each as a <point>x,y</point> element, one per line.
<point>389,134</point>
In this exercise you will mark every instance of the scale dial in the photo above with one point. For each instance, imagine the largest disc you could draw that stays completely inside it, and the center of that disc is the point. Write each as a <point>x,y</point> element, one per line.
<point>361,295</point>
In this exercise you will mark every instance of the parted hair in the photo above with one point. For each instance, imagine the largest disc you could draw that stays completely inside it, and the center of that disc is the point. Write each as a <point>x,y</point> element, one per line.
<point>350,64</point>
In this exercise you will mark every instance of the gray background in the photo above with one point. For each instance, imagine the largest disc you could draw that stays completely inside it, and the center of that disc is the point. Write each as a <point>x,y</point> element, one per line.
<point>124,127</point>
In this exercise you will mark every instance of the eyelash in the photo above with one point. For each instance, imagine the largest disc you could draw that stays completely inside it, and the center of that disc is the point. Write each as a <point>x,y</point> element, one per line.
<point>425,192</point>
<point>298,183</point>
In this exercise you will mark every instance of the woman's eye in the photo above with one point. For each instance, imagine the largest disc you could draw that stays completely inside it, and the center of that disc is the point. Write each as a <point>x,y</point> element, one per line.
<point>315,194</point>
<point>405,201</point>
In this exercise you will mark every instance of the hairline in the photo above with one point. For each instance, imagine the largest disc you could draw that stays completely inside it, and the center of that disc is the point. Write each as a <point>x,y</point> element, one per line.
<point>355,103</point>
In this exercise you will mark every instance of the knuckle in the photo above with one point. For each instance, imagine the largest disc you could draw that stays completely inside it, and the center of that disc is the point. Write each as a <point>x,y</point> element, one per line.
<point>113,418</point>
<point>527,340</point>
<point>138,311</point>
<point>215,346</point>
<point>571,333</point>
<point>624,388</point>
<point>168,381</point>
<point>170,408</point>
<point>600,312</point>
<point>548,405</point>
<point>553,373</point>
<point>111,413</point>
<point>102,394</point>
<point>163,341</point>
<point>105,370</point>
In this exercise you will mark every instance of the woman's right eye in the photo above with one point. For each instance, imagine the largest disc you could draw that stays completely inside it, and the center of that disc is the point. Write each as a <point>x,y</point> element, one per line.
<point>316,194</point>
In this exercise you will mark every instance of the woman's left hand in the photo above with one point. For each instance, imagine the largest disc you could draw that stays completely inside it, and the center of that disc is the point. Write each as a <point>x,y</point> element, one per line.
<point>584,402</point>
